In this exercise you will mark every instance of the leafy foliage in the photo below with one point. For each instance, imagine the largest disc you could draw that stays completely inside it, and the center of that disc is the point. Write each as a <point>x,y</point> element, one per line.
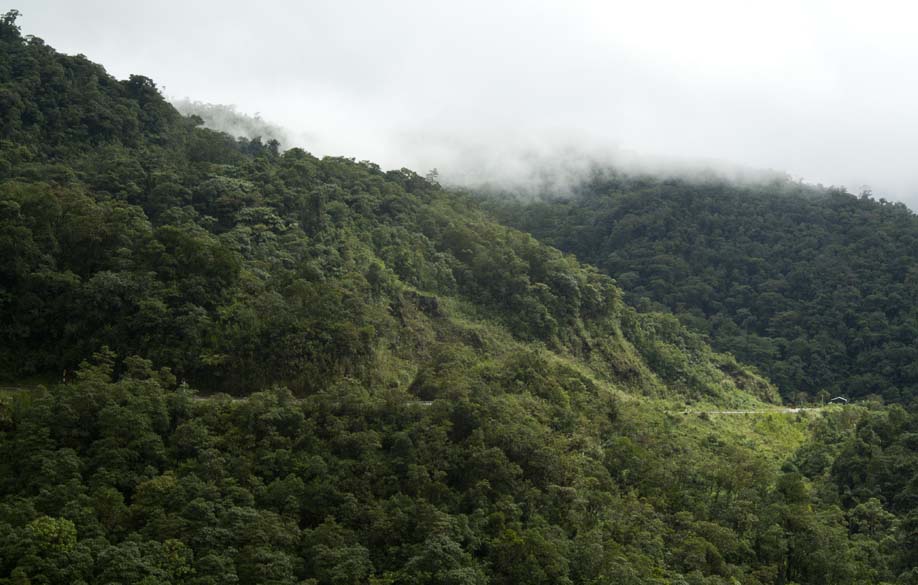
<point>530,474</point>
<point>420,395</point>
<point>816,287</point>
<point>238,266</point>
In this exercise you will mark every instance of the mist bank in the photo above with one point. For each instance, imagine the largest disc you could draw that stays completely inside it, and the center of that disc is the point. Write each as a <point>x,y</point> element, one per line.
<point>556,166</point>
<point>226,118</point>
<point>527,165</point>
<point>832,102</point>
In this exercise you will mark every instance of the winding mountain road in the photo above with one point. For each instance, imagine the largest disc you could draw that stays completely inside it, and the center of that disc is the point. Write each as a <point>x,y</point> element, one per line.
<point>761,411</point>
<point>427,403</point>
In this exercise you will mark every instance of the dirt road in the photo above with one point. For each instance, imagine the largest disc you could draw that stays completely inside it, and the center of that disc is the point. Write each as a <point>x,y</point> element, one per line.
<point>761,411</point>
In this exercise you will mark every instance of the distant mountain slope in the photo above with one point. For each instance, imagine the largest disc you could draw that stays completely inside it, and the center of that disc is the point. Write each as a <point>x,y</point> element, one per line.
<point>817,287</point>
<point>424,396</point>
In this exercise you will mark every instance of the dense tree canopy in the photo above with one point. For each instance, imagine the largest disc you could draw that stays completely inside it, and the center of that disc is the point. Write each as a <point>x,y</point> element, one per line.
<point>238,266</point>
<point>817,287</point>
<point>546,481</point>
<point>285,369</point>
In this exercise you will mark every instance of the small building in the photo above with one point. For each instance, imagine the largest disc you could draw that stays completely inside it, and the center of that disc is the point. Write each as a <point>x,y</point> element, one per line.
<point>839,400</point>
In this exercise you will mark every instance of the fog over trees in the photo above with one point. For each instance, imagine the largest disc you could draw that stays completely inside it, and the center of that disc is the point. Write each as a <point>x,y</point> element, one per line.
<point>822,91</point>
<point>227,360</point>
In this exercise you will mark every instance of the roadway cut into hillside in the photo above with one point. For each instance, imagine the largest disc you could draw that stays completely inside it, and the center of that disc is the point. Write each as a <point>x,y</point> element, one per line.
<point>788,410</point>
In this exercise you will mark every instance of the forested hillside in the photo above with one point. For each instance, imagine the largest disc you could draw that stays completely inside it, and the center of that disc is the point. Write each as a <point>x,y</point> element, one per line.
<point>126,226</point>
<point>817,287</point>
<point>284,369</point>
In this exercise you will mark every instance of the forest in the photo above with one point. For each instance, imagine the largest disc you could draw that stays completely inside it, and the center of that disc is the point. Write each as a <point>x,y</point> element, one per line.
<point>221,362</point>
<point>816,287</point>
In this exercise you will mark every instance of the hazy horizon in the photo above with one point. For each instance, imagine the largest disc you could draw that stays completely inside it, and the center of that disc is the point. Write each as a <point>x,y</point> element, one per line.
<point>822,91</point>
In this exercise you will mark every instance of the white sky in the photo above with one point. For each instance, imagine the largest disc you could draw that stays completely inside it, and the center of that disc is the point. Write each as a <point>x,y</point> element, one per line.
<point>824,90</point>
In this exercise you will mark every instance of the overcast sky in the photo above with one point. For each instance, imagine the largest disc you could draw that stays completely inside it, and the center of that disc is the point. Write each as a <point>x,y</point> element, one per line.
<point>826,91</point>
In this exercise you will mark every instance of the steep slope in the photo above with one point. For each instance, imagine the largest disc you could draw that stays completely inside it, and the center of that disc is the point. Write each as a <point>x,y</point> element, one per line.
<point>239,267</point>
<point>422,395</point>
<point>817,287</point>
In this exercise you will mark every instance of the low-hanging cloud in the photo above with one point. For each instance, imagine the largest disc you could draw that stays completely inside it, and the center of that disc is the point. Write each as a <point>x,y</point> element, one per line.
<point>227,118</point>
<point>821,90</point>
